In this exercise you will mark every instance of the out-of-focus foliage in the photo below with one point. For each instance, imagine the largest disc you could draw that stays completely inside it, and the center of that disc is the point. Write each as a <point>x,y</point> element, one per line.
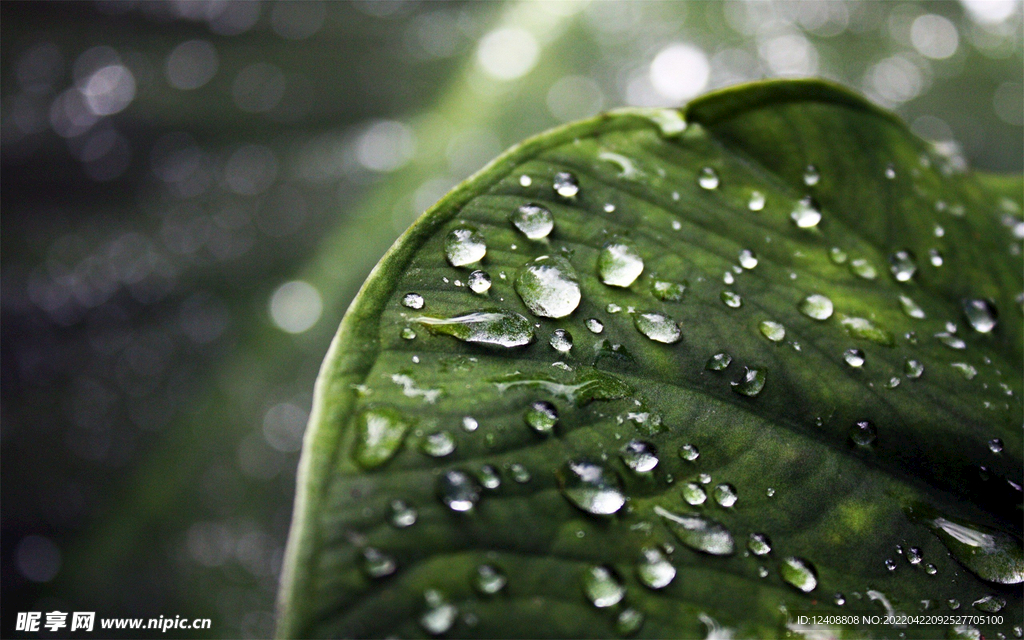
<point>192,192</point>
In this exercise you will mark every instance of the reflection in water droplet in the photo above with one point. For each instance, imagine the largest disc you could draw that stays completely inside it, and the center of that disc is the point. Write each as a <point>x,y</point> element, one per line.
<point>981,314</point>
<point>619,264</point>
<point>565,184</point>
<point>913,369</point>
<point>412,301</point>
<point>694,494</point>
<point>725,495</point>
<point>772,330</point>
<point>751,383</point>
<point>534,221</point>
<point>402,515</point>
<point>731,299</point>
<point>561,341</point>
<point>658,327</point>
<point>816,306</point>
<point>756,202</point>
<point>811,175</point>
<point>458,490</point>
<point>591,486</point>
<point>438,445</point>
<point>499,328</point>
<point>542,417</point>
<point>488,579</point>
<point>805,215</point>
<point>640,456</point>
<point>377,564</point>
<point>595,325</point>
<point>668,291</point>
<point>902,265</point>
<point>380,433</point>
<point>799,573</point>
<point>689,452</point>
<point>863,269</point>
<point>718,362</point>
<point>707,179</point>
<point>654,570</point>
<point>699,533</point>
<point>747,259</point>
<point>549,287</point>
<point>464,246</point>
<point>479,282</point>
<point>440,614</point>
<point>602,587</point>
<point>854,357</point>
<point>759,544</point>
<point>863,433</point>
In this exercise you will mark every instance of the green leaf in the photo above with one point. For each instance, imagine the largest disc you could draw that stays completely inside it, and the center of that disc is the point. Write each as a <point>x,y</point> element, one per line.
<point>735,337</point>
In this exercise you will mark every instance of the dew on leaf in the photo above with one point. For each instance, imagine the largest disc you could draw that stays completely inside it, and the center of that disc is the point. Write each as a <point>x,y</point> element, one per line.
<point>991,555</point>
<point>731,299</point>
<point>981,314</point>
<point>708,178</point>
<point>902,265</point>
<point>619,264</point>
<point>639,456</point>
<point>380,433</point>
<point>816,306</point>
<point>561,341</point>
<point>458,490</point>
<point>565,185</point>
<point>698,533</point>
<point>694,494</point>
<point>890,172</point>
<point>658,327</point>
<point>440,614</point>
<point>591,486</point>
<point>464,246</point>
<point>408,333</point>
<point>911,308</point>
<point>595,325</point>
<point>438,445</point>
<point>549,287</point>
<point>689,452</point>
<point>520,473</point>
<point>935,257</point>
<point>799,573</point>
<point>542,417</point>
<point>811,175</point>
<point>602,587</point>
<point>654,569</point>
<point>854,358</point>
<point>499,328</point>
<point>863,433</point>
<point>747,259</point>
<point>489,580</point>
<point>951,341</point>
<point>533,221</point>
<point>756,201</point>
<point>470,424</point>
<point>629,622</point>
<point>489,477</point>
<point>725,495</point>
<point>864,329</point>
<point>525,180</point>
<point>772,330</point>
<point>412,301</point>
<point>402,515</point>
<point>805,215</point>
<point>914,555</point>
<point>751,383</point>
<point>759,544</point>
<point>966,370</point>
<point>995,445</point>
<point>718,362</point>
<point>479,282</point>
<point>913,369</point>
<point>377,564</point>
<point>990,604</point>
<point>668,291</point>
<point>837,255</point>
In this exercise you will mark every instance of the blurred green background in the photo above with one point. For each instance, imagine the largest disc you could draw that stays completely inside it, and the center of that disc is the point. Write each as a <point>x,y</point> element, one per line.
<point>194,190</point>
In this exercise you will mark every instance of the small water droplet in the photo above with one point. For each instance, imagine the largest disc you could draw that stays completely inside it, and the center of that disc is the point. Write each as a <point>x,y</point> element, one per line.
<point>995,445</point>
<point>935,257</point>
<point>464,246</point>
<point>805,215</point>
<point>718,362</point>
<point>609,208</point>
<point>890,564</point>
<point>440,614</point>
<point>966,370</point>
<point>380,433</point>
<point>519,473</point>
<point>799,573</point>
<point>981,314</point>
<point>864,329</point>
<point>837,255</point>
<point>533,221</point>
<point>890,172</point>
<point>525,180</point>
<point>759,544</point>
<point>854,358</point>
<point>839,599</point>
<point>658,327</point>
<point>654,570</point>
<point>629,622</point>
<point>731,299</point>
<point>561,341</point>
<point>565,185</point>
<point>689,452</point>
<point>816,306</point>
<point>694,494</point>
<point>378,564</point>
<point>408,333</point>
<point>479,282</point>
<point>489,580</point>
<point>707,179</point>
<point>756,202</point>
<point>619,264</point>
<point>911,308</point>
<point>591,486</point>
<point>549,287</point>
<point>751,383</point>
<point>990,604</point>
<point>402,515</point>
<point>725,495</point>
<point>438,445</point>
<point>489,477</point>
<point>499,328</point>
<point>770,492</point>
<point>458,490</point>
<point>639,456</point>
<point>412,301</point>
<point>863,433</point>
<point>772,330</point>
<point>699,533</point>
<point>902,265</point>
<point>914,555</point>
<point>704,478</point>
<point>863,269</point>
<point>470,424</point>
<point>595,325</point>
<point>747,259</point>
<point>668,291</point>
<point>811,175</point>
<point>931,569</point>
<point>951,341</point>
<point>913,369</point>
<point>542,417</point>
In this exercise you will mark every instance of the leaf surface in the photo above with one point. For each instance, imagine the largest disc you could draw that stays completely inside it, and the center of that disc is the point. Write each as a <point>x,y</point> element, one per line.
<point>804,258</point>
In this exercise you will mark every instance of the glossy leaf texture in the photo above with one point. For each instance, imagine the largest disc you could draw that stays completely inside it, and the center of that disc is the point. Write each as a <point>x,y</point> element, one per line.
<point>676,374</point>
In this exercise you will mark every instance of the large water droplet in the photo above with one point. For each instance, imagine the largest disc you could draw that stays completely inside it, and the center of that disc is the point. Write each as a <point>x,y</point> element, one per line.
<point>412,301</point>
<point>561,341</point>
<point>654,570</point>
<point>479,282</point>
<point>707,179</point>
<point>811,175</point>
<point>380,433</point>
<point>725,495</point>
<point>565,184</point>
<point>756,202</point>
<point>542,417</point>
<point>591,486</point>
<point>640,456</point>
<point>800,573</point>
<point>534,221</point>
<point>854,358</point>
<point>440,614</point>
<point>694,494</point>
<point>549,287</point>
<point>772,330</point>
<point>747,259</point>
<point>805,215</point>
<point>499,328</point>
<point>619,264</point>
<point>602,587</point>
<point>751,383</point>
<point>991,555</point>
<point>378,564</point>
<point>816,306</point>
<point>759,544</point>
<point>658,327</point>
<point>863,433</point>
<point>438,445</point>
<point>981,314</point>
<point>731,299</point>
<point>464,246</point>
<point>668,291</point>
<point>698,532</point>
<point>458,490</point>
<point>489,580</point>
<point>718,362</point>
